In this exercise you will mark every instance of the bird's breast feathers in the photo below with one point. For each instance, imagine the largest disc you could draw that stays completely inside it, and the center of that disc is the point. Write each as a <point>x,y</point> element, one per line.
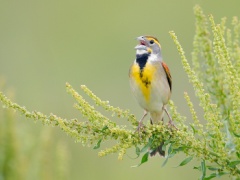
<point>150,85</point>
<point>143,78</point>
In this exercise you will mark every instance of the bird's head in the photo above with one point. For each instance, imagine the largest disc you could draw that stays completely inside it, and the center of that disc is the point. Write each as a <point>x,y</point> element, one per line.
<point>150,42</point>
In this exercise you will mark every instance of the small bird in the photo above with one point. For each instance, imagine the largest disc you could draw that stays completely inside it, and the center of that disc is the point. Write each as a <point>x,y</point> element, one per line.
<point>151,82</point>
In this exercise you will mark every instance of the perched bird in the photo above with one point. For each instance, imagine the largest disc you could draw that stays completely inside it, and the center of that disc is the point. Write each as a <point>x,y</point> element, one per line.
<point>151,82</point>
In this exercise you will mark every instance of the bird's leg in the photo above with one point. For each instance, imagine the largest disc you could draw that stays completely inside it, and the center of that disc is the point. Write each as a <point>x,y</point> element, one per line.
<point>170,122</point>
<point>140,124</point>
<point>169,117</point>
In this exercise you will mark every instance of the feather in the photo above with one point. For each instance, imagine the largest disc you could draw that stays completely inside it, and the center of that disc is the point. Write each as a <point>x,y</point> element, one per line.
<point>167,71</point>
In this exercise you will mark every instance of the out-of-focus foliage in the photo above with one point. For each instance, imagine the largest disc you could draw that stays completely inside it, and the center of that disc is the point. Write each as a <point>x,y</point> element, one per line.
<point>22,157</point>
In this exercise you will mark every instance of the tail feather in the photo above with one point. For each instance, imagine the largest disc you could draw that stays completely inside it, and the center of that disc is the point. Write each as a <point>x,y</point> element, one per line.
<point>158,150</point>
<point>157,117</point>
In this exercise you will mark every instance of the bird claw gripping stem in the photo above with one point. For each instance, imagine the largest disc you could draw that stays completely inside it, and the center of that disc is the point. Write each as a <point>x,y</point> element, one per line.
<point>140,128</point>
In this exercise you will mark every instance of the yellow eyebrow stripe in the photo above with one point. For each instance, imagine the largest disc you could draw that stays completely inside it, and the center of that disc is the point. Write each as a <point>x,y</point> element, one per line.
<point>154,39</point>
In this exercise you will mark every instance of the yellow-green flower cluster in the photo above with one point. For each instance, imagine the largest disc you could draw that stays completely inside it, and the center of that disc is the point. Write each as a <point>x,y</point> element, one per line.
<point>105,104</point>
<point>98,129</point>
<point>215,78</point>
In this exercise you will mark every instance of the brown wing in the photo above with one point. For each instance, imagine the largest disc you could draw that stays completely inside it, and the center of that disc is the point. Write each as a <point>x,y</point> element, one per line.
<point>167,71</point>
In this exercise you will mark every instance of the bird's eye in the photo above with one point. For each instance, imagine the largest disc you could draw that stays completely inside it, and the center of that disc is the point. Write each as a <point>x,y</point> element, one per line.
<point>152,41</point>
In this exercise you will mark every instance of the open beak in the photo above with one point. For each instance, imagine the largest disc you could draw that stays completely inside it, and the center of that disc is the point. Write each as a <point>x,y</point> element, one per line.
<point>141,40</point>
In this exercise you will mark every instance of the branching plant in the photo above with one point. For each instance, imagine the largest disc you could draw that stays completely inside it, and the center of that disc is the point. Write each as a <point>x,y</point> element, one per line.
<point>215,76</point>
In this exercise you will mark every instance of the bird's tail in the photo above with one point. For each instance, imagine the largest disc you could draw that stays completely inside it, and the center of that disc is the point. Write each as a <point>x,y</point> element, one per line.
<point>157,117</point>
<point>158,150</point>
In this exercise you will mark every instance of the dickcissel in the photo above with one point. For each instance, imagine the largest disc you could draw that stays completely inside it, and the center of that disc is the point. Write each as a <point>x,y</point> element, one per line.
<point>151,82</point>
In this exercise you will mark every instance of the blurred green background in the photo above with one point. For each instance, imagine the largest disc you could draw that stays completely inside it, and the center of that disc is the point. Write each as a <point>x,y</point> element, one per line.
<point>44,44</point>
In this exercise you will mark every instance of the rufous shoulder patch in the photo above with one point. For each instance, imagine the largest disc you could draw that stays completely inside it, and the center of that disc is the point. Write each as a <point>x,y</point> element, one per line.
<point>167,71</point>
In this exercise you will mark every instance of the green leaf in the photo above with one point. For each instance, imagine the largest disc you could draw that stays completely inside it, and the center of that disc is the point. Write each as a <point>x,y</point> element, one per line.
<point>185,161</point>
<point>145,148</point>
<point>163,147</point>
<point>175,151</point>
<point>234,163</point>
<point>203,169</point>
<point>98,144</point>
<point>104,128</point>
<point>170,149</point>
<point>197,167</point>
<point>165,162</point>
<point>144,159</point>
<point>165,144</point>
<point>137,151</point>
<point>212,168</point>
<point>213,153</point>
<point>238,155</point>
<point>193,128</point>
<point>221,173</point>
<point>171,155</point>
<point>235,134</point>
<point>180,149</point>
<point>213,175</point>
<point>148,145</point>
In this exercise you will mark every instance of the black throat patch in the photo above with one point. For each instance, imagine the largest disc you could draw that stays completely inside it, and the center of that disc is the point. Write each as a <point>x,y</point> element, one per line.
<point>141,59</point>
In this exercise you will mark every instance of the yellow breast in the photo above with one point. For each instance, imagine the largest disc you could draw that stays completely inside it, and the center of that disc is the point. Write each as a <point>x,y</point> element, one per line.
<point>143,78</point>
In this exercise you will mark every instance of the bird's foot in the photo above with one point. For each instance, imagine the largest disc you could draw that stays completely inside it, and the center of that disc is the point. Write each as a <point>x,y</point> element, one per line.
<point>140,128</point>
<point>171,124</point>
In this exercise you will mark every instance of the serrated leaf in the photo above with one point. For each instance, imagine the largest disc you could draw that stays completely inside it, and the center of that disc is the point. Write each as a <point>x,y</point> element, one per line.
<point>144,159</point>
<point>234,163</point>
<point>98,144</point>
<point>185,161</point>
